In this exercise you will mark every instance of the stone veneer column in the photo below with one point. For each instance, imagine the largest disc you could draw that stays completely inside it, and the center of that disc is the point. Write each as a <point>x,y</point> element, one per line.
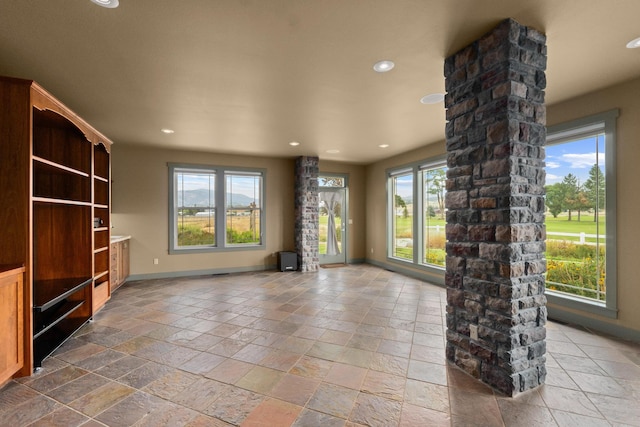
<point>307,211</point>
<point>495,199</point>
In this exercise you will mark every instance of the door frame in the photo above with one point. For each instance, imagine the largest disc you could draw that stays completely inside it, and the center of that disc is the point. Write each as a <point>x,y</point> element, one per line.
<point>342,258</point>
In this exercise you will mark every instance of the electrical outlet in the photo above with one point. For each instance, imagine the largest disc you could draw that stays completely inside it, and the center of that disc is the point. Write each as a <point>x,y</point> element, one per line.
<point>473,332</point>
<point>155,261</point>
<point>371,250</point>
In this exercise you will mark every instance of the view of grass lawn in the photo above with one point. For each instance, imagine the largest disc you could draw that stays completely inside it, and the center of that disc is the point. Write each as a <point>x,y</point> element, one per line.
<point>323,230</point>
<point>586,225</point>
<point>200,230</point>
<point>572,267</point>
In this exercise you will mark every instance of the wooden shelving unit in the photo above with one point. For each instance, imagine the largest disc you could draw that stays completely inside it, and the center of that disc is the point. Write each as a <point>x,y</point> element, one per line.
<point>55,180</point>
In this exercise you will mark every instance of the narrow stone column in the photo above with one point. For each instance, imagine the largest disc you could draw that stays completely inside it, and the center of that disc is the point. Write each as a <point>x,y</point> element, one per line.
<point>495,135</point>
<point>307,210</point>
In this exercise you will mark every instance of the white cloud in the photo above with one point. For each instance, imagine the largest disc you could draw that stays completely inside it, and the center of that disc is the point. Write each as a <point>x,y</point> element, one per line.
<point>552,165</point>
<point>583,161</point>
<point>552,179</point>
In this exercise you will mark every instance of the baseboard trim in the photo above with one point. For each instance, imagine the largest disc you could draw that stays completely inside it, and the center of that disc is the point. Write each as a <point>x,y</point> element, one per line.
<point>593,324</point>
<point>207,272</point>
<point>427,276</point>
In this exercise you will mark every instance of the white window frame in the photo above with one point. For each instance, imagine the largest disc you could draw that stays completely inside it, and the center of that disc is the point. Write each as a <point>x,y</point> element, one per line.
<point>583,127</point>
<point>221,173</point>
<point>416,170</point>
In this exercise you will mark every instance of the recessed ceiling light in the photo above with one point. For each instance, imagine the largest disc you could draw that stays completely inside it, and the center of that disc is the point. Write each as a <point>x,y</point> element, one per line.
<point>333,151</point>
<point>107,3</point>
<point>383,145</point>
<point>167,131</point>
<point>294,143</point>
<point>383,66</point>
<point>432,98</point>
<point>634,43</point>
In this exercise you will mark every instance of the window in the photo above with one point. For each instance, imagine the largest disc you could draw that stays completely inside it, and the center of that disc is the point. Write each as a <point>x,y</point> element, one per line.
<point>196,223</point>
<point>580,218</point>
<point>243,208</point>
<point>433,184</point>
<point>402,215</point>
<point>416,214</point>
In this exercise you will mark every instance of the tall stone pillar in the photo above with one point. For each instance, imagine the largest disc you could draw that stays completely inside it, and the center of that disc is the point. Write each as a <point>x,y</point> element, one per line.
<point>495,135</point>
<point>307,212</point>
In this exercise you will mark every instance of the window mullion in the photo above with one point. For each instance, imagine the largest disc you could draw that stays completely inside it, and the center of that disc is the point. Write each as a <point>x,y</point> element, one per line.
<point>221,210</point>
<point>418,215</point>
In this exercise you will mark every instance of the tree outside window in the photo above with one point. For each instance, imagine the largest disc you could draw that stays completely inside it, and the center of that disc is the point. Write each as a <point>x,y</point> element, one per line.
<point>578,215</point>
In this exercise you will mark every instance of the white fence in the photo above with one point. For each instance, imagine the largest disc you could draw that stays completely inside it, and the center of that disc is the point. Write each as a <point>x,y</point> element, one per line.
<point>582,237</point>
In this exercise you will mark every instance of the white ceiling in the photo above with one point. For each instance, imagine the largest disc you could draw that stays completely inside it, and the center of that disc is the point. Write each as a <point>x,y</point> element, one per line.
<point>249,76</point>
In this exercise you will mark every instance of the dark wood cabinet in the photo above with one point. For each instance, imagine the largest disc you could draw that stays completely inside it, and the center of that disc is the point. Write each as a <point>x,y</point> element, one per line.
<point>54,183</point>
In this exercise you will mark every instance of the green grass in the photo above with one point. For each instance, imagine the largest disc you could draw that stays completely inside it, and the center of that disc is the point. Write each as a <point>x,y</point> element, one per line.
<point>585,225</point>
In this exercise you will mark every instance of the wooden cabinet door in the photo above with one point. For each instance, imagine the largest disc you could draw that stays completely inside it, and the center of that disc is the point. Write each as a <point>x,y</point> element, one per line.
<point>125,270</point>
<point>115,267</point>
<point>12,321</point>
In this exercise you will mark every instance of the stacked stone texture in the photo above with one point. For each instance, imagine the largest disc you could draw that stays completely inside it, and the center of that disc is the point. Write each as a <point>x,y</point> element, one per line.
<point>307,212</point>
<point>495,269</point>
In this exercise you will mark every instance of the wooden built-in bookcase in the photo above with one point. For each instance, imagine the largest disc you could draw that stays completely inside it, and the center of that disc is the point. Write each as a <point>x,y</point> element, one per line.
<point>55,185</point>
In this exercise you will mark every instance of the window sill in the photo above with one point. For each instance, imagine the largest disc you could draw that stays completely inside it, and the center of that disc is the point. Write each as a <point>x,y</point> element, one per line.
<point>582,304</point>
<point>209,249</point>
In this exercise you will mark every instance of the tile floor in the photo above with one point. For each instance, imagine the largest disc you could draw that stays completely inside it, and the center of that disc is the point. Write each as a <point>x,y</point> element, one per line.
<point>347,346</point>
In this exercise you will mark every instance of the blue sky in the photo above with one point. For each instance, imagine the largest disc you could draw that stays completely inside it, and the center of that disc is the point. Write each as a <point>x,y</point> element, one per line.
<point>246,185</point>
<point>575,157</point>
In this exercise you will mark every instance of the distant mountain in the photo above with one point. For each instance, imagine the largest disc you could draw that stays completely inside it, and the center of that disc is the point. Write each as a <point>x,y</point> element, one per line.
<point>202,197</point>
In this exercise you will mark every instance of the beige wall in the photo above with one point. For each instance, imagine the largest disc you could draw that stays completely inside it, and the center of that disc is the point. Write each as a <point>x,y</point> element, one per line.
<point>140,208</point>
<point>625,97</point>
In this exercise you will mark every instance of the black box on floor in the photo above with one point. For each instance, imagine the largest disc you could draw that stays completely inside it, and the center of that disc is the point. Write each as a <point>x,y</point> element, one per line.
<point>287,261</point>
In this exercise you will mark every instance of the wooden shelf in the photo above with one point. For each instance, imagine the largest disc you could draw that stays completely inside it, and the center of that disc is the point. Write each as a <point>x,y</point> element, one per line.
<point>97,276</point>
<point>59,166</point>
<point>99,178</point>
<point>48,293</point>
<point>52,182</point>
<point>60,201</point>
<point>59,140</point>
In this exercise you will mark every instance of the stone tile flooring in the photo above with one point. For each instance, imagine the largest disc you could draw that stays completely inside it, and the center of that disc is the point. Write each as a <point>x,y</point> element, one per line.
<point>347,346</point>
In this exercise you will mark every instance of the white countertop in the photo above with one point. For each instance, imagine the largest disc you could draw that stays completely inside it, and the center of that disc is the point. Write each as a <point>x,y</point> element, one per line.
<point>115,239</point>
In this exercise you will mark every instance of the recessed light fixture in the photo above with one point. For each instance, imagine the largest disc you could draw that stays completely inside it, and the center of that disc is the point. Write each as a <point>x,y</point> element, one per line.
<point>333,151</point>
<point>432,98</point>
<point>111,4</point>
<point>635,43</point>
<point>167,131</point>
<point>294,143</point>
<point>383,66</point>
<point>383,145</point>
